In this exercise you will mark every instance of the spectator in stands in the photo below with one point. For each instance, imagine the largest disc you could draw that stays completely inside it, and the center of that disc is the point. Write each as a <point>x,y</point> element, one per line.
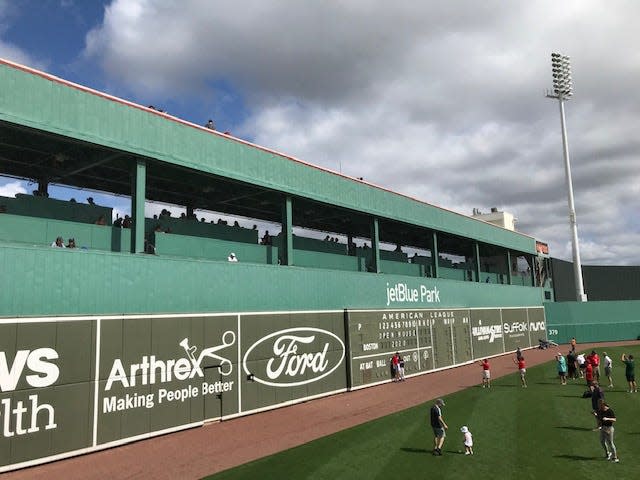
<point>118,222</point>
<point>210,125</point>
<point>71,243</point>
<point>255,227</point>
<point>90,201</point>
<point>266,238</point>
<point>398,248</point>
<point>101,220</point>
<point>59,243</point>
<point>148,246</point>
<point>236,224</point>
<point>232,257</point>
<point>126,223</point>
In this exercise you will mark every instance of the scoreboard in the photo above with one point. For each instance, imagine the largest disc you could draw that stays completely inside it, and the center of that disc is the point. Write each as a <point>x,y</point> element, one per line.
<point>433,339</point>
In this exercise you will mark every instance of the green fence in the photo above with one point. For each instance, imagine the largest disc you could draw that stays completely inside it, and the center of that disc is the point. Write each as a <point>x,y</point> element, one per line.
<point>593,321</point>
<point>75,385</point>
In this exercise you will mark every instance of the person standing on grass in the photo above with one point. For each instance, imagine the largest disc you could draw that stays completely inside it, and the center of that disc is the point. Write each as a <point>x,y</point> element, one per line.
<point>588,373</point>
<point>629,372</point>
<point>438,425</point>
<point>571,365</point>
<point>580,360</point>
<point>597,397</point>
<point>523,371</point>
<point>468,440</point>
<point>607,418</point>
<point>486,373</point>
<point>608,365</point>
<point>562,368</point>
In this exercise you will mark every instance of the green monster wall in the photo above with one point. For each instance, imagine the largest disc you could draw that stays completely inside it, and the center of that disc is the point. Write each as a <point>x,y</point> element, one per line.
<point>79,384</point>
<point>593,321</point>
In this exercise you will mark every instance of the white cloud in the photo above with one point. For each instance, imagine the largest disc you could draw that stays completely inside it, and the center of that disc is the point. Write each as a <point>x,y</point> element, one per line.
<point>441,101</point>
<point>10,189</point>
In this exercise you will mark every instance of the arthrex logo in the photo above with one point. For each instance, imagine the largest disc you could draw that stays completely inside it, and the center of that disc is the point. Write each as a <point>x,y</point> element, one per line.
<point>151,370</point>
<point>298,356</point>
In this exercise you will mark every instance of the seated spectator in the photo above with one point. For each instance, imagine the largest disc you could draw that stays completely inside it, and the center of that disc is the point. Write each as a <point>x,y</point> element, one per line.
<point>126,223</point>
<point>90,201</point>
<point>210,125</point>
<point>118,222</point>
<point>236,224</point>
<point>59,243</point>
<point>148,246</point>
<point>266,238</point>
<point>101,220</point>
<point>72,243</point>
<point>232,257</point>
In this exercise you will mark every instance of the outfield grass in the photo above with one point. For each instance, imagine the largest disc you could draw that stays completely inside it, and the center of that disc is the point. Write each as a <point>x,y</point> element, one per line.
<point>540,432</point>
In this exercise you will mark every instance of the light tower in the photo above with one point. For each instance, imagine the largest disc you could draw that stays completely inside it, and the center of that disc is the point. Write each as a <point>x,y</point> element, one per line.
<point>562,90</point>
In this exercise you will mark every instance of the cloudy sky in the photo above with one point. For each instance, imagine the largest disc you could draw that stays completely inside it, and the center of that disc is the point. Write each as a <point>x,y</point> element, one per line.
<point>443,101</point>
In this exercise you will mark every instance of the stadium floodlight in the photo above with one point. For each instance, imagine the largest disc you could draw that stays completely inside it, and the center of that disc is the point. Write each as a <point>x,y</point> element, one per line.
<point>563,90</point>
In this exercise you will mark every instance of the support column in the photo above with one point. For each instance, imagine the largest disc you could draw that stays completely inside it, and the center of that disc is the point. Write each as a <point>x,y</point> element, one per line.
<point>138,195</point>
<point>375,246</point>
<point>476,250</point>
<point>435,255</point>
<point>286,255</point>
<point>509,273</point>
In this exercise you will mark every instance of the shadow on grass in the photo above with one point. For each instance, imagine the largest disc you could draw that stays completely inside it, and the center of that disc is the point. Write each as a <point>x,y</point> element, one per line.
<point>415,450</point>
<point>578,457</point>
<point>578,429</point>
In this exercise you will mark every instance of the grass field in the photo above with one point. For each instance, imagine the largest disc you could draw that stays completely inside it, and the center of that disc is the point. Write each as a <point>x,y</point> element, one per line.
<point>543,431</point>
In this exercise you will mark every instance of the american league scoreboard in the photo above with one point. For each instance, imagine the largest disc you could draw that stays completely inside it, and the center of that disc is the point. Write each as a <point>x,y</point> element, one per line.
<point>433,339</point>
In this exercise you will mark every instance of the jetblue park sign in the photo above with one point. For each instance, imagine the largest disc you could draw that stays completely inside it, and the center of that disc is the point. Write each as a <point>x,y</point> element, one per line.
<point>403,293</point>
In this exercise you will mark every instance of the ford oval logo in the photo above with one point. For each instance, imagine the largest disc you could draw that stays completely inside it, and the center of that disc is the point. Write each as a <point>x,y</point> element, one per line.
<point>295,356</point>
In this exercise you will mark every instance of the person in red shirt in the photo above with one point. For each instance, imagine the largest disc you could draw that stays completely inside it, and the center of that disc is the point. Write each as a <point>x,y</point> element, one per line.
<point>595,363</point>
<point>523,371</point>
<point>588,373</point>
<point>486,373</point>
<point>395,362</point>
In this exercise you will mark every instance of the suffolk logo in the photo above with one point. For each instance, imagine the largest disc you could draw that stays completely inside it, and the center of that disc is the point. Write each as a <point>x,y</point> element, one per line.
<point>298,356</point>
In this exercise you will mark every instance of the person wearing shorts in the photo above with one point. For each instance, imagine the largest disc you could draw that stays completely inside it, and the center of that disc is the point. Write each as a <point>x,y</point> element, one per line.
<point>523,371</point>
<point>486,373</point>
<point>438,425</point>
<point>562,368</point>
<point>629,372</point>
<point>608,365</point>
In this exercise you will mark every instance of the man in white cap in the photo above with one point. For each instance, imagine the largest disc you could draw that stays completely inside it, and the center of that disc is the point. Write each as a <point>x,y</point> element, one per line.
<point>439,426</point>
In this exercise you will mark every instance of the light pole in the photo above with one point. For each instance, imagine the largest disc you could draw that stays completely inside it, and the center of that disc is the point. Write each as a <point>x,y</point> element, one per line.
<point>562,90</point>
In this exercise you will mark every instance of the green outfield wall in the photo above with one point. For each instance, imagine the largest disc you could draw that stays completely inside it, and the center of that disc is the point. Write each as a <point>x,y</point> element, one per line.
<point>593,321</point>
<point>78,384</point>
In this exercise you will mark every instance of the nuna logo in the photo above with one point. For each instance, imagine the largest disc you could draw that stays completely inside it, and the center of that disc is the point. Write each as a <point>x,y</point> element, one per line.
<point>537,326</point>
<point>298,356</point>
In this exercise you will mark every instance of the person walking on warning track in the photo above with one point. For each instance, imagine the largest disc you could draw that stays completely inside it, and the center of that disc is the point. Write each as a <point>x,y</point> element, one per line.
<point>522,368</point>
<point>486,373</point>
<point>438,425</point>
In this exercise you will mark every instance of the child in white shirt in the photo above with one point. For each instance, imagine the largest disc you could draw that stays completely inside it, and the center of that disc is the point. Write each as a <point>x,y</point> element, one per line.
<point>468,440</point>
